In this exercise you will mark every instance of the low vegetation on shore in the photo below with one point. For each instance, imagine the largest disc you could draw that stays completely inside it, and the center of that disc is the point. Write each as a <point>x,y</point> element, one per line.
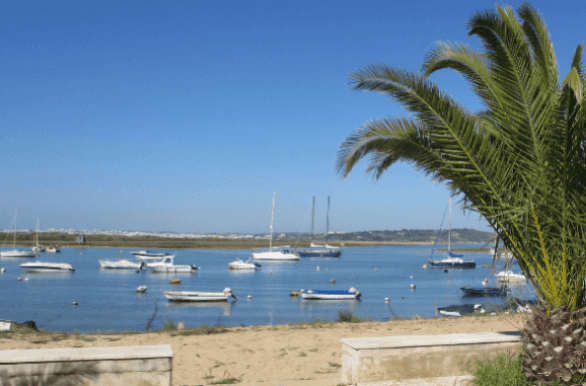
<point>296,240</point>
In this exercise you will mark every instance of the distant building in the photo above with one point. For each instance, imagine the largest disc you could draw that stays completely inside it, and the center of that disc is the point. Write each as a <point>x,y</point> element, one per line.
<point>80,239</point>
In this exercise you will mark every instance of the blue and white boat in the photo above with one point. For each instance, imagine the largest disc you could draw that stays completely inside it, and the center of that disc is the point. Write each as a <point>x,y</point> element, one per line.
<point>452,260</point>
<point>351,294</point>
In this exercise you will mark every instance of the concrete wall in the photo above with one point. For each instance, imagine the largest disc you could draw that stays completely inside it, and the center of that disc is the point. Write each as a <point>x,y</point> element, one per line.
<point>420,356</point>
<point>127,365</point>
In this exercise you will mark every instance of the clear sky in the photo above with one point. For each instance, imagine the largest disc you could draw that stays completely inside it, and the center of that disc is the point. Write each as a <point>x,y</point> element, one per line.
<point>186,115</point>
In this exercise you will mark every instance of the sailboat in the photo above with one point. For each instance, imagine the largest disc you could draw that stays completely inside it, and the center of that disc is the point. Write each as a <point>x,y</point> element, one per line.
<point>320,250</point>
<point>37,247</point>
<point>15,252</point>
<point>452,260</point>
<point>275,253</point>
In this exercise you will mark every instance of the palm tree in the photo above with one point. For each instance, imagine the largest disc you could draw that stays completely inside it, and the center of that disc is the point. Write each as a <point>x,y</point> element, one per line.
<point>520,162</point>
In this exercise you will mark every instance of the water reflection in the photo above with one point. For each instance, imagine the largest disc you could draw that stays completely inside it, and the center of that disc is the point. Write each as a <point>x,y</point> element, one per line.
<point>223,306</point>
<point>317,304</point>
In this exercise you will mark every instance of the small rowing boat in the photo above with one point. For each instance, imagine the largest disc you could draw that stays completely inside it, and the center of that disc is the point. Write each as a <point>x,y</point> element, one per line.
<point>351,294</point>
<point>186,296</point>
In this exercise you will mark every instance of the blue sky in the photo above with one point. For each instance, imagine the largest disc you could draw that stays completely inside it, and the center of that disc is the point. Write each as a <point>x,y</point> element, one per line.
<point>186,115</point>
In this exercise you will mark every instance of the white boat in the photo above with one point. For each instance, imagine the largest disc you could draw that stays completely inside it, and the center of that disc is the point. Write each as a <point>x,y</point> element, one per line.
<point>148,255</point>
<point>507,276</point>
<point>185,296</point>
<point>120,264</point>
<point>276,253</point>
<point>351,294</point>
<point>166,265</point>
<point>44,266</point>
<point>51,249</point>
<point>37,247</point>
<point>452,260</point>
<point>15,252</point>
<point>141,289</point>
<point>244,265</point>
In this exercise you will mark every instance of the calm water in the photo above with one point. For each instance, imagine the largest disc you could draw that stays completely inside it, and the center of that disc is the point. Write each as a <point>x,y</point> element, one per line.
<point>108,301</point>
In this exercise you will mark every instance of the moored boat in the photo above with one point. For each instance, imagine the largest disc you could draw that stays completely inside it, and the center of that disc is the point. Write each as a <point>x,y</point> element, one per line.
<point>192,296</point>
<point>121,264</point>
<point>320,250</point>
<point>507,276</point>
<point>351,294</point>
<point>166,265</point>
<point>244,265</point>
<point>275,253</point>
<point>452,260</point>
<point>145,254</point>
<point>485,291</point>
<point>45,266</point>
<point>15,252</point>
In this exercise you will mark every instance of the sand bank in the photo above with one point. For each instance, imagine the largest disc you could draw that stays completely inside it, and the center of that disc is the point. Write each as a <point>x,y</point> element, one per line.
<point>284,355</point>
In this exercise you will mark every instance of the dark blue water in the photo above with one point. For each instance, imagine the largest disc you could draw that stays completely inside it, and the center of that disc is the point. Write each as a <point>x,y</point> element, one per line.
<point>108,301</point>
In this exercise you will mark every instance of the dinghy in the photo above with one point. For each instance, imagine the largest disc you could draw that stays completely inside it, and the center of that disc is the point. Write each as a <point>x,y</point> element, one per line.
<point>186,296</point>
<point>351,294</point>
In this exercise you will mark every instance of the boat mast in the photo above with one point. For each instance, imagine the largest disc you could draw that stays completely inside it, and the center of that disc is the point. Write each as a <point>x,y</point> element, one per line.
<point>312,217</point>
<point>327,222</point>
<point>37,234</point>
<point>450,226</point>
<point>272,220</point>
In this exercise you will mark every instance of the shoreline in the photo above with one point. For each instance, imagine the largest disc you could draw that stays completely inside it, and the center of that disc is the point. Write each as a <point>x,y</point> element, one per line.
<point>289,354</point>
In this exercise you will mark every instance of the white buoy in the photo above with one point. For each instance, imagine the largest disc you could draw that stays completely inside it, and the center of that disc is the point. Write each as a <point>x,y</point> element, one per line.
<point>387,300</point>
<point>20,279</point>
<point>75,303</point>
<point>249,297</point>
<point>26,279</point>
<point>333,281</point>
<point>424,266</point>
<point>2,270</point>
<point>410,277</point>
<point>412,286</point>
<point>318,268</point>
<point>485,282</point>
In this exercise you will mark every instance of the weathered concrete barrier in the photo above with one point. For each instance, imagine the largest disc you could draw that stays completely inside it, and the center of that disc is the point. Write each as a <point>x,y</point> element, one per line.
<point>420,356</point>
<point>126,365</point>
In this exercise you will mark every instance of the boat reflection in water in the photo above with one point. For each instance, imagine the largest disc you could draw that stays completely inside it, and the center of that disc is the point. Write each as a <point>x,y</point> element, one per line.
<point>316,305</point>
<point>224,307</point>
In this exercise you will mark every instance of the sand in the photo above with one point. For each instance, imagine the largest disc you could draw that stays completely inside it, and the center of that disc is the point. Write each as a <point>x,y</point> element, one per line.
<point>283,355</point>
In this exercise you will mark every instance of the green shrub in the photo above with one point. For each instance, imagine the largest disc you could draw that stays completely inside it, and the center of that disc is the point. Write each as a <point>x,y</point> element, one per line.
<point>504,370</point>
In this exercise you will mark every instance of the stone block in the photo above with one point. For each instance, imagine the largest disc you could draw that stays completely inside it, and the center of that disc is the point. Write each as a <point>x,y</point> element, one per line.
<point>420,356</point>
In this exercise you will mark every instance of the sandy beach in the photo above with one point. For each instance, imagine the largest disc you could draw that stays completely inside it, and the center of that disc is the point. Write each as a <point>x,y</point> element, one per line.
<point>284,355</point>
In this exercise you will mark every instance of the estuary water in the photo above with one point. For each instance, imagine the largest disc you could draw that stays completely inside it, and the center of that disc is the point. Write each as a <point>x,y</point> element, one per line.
<point>108,301</point>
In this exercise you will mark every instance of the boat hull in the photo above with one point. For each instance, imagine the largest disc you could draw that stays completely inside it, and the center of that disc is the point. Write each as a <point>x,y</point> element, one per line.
<point>19,254</point>
<point>485,291</point>
<point>173,268</point>
<point>122,264</point>
<point>196,296</point>
<point>329,295</point>
<point>443,264</point>
<point>319,253</point>
<point>275,256</point>
<point>48,267</point>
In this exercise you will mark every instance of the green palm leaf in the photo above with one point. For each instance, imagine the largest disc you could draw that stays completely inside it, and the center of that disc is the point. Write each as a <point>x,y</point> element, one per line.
<point>520,162</point>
